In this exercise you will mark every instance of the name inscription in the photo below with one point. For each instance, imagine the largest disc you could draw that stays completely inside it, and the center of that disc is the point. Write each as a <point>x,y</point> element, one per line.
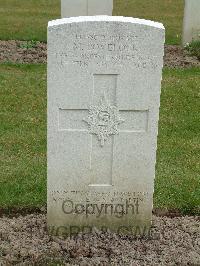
<point>102,50</point>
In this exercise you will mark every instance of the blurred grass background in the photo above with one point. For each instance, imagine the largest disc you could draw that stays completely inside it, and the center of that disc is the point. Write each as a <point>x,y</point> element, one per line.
<point>27,19</point>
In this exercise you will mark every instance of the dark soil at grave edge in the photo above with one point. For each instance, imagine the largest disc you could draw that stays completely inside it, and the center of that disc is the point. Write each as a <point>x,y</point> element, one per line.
<point>17,52</point>
<point>174,241</point>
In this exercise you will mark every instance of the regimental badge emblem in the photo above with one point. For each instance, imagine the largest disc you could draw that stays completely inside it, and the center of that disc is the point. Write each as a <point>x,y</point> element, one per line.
<point>103,120</point>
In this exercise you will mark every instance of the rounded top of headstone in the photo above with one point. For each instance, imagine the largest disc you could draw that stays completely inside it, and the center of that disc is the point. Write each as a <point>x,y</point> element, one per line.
<point>150,23</point>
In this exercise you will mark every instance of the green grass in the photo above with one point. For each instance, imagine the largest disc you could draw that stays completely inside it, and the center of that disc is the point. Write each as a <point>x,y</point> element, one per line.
<point>193,48</point>
<point>23,138</point>
<point>178,157</point>
<point>27,19</point>
<point>22,135</point>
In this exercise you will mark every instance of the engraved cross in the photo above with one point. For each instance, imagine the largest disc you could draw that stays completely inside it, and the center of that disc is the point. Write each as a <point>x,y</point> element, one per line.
<point>104,122</point>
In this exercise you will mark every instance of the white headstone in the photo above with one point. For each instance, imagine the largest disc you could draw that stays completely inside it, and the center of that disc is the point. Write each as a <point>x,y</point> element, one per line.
<point>191,23</point>
<point>104,76</point>
<point>74,8</point>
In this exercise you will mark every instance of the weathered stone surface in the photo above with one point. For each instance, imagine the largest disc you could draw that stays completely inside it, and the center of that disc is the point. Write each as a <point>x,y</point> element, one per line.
<point>191,23</point>
<point>74,8</point>
<point>104,76</point>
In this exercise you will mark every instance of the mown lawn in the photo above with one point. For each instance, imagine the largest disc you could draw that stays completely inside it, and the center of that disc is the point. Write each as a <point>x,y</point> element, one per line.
<point>22,135</point>
<point>178,156</point>
<point>27,19</point>
<point>23,138</point>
